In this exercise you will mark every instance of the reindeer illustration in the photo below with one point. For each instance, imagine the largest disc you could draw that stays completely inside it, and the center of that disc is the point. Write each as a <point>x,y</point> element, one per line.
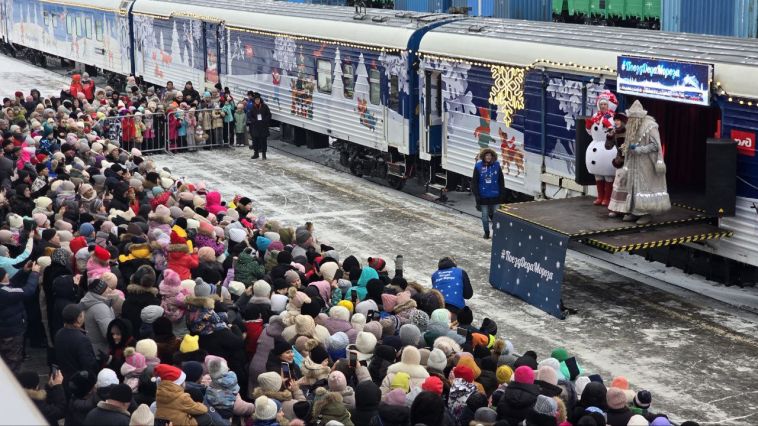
<point>511,153</point>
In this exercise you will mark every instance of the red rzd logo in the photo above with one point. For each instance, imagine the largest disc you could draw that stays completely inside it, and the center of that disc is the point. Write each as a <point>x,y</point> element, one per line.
<point>745,142</point>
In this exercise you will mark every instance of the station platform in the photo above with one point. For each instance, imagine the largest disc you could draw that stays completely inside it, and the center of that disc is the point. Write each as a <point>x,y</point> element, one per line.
<point>530,241</point>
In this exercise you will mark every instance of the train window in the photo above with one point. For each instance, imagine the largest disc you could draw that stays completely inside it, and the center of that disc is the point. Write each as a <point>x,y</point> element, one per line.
<point>324,76</point>
<point>69,24</point>
<point>46,14</point>
<point>79,26</point>
<point>99,30</point>
<point>348,80</point>
<point>375,79</point>
<point>394,100</point>
<point>88,27</point>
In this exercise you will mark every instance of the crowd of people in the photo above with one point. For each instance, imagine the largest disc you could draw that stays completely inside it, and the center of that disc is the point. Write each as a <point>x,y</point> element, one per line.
<point>161,302</point>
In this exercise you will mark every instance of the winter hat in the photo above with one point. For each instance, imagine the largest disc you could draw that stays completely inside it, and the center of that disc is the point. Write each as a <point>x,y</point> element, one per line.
<point>97,286</point>
<point>28,379</point>
<point>433,384</point>
<point>270,381</point>
<point>86,229</point>
<point>339,312</point>
<point>15,221</point>
<point>347,305</point>
<point>365,306</point>
<point>265,408</point>
<point>337,381</point>
<point>236,288</point>
<point>103,254</point>
<point>548,375</point>
<point>121,393</point>
<point>147,347</point>
<point>365,344</point>
<point>660,421</point>
<point>420,319</point>
<point>447,345</point>
<point>170,373</point>
<point>193,370</point>
<point>401,380</point>
<point>302,235</point>
<point>546,406</point>
<point>524,375</point>
<point>189,344</point>
<point>318,354</point>
<point>337,342</point>
<point>441,316</point>
<point>469,362</point>
<point>282,346</point>
<point>375,328</point>
<point>328,270</point>
<point>216,366</point>
<point>237,235</point>
<point>150,314</point>
<point>620,382</point>
<point>142,416</point>
<point>643,399</point>
<point>410,335</point>
<point>561,354</point>
<point>396,396</point>
<point>106,377</point>
<point>261,289</point>
<point>503,374</point>
<point>81,383</point>
<point>437,360</point>
<point>40,219</point>
<point>485,415</point>
<point>358,321</point>
<point>552,363</point>
<point>188,285</point>
<point>615,398</point>
<point>202,289</point>
<point>463,372</point>
<point>465,316</point>
<point>134,358</point>
<point>637,420</point>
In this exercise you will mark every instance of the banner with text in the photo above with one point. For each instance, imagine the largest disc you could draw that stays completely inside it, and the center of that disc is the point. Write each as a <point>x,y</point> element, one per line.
<point>675,81</point>
<point>528,261</point>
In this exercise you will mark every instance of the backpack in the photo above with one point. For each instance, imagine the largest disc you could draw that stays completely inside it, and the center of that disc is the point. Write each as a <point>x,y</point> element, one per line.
<point>248,268</point>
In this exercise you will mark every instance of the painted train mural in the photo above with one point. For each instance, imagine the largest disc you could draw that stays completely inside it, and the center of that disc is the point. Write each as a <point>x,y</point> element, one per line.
<point>405,94</point>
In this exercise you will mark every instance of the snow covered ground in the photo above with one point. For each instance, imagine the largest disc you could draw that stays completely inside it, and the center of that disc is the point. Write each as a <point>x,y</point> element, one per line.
<point>695,355</point>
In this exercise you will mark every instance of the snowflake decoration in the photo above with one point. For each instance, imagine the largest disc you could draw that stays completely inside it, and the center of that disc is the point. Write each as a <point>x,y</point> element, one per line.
<point>238,50</point>
<point>284,53</point>
<point>145,30</point>
<point>397,66</point>
<point>507,91</point>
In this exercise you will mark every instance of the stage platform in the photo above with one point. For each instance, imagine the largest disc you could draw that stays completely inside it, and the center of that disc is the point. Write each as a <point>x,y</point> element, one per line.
<point>530,241</point>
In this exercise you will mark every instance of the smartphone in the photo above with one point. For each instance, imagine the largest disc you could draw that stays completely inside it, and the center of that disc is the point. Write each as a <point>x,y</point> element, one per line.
<point>371,315</point>
<point>353,359</point>
<point>54,370</point>
<point>286,370</point>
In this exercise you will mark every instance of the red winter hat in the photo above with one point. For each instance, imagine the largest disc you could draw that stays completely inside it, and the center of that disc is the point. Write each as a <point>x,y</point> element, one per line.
<point>524,374</point>
<point>170,373</point>
<point>77,244</point>
<point>102,254</point>
<point>465,373</point>
<point>19,94</point>
<point>377,263</point>
<point>176,239</point>
<point>432,384</point>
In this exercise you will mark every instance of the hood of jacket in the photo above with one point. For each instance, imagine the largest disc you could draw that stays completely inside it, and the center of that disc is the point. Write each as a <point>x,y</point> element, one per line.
<point>126,333</point>
<point>138,289</point>
<point>280,396</point>
<point>394,415</point>
<point>520,395</point>
<point>91,299</point>
<point>200,302</point>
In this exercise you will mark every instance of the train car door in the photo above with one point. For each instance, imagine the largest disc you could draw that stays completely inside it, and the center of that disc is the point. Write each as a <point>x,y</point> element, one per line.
<point>431,123</point>
<point>395,131</point>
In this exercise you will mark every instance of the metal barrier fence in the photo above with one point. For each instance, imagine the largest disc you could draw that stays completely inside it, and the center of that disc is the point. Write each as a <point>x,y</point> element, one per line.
<point>198,129</point>
<point>142,131</point>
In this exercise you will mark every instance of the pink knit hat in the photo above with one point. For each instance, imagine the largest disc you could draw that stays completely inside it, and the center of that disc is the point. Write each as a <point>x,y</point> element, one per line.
<point>389,301</point>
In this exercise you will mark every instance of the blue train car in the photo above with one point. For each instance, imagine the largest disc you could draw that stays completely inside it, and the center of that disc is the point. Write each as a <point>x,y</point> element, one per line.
<point>92,32</point>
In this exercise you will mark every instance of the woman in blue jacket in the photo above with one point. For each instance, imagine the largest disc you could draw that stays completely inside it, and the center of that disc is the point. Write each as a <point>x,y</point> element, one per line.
<point>488,186</point>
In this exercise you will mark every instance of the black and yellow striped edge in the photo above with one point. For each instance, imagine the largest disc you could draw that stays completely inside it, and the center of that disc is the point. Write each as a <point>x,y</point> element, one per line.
<point>662,243</point>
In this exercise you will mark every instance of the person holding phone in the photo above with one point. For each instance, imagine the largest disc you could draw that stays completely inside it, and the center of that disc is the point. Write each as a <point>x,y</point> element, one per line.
<point>51,402</point>
<point>282,359</point>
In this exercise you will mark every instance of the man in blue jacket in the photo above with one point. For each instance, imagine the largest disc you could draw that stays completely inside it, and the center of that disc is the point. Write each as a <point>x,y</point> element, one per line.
<point>13,314</point>
<point>453,283</point>
<point>488,186</point>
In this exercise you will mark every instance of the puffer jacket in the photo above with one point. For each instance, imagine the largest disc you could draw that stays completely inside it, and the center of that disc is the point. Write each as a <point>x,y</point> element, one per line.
<point>181,261</point>
<point>177,406</point>
<point>221,394</point>
<point>516,402</point>
<point>97,315</point>
<point>272,331</point>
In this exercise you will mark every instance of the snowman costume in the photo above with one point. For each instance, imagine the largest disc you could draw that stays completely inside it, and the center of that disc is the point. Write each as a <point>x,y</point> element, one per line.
<point>599,159</point>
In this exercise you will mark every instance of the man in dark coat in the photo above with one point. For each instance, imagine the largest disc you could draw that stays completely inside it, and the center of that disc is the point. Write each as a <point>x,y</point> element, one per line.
<point>141,293</point>
<point>519,397</point>
<point>50,402</point>
<point>190,94</point>
<point>112,411</point>
<point>258,118</point>
<point>73,350</point>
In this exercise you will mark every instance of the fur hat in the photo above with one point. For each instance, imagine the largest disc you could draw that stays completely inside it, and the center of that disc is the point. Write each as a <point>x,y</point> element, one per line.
<point>616,398</point>
<point>147,347</point>
<point>216,366</point>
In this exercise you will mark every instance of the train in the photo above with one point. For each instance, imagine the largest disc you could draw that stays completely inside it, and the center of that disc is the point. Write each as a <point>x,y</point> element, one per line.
<point>409,94</point>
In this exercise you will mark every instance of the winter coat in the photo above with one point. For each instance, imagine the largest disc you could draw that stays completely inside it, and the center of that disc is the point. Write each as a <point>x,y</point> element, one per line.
<point>460,391</point>
<point>207,241</point>
<point>240,121</point>
<point>228,345</point>
<point>200,316</point>
<point>117,350</point>
<point>12,297</point>
<point>74,353</point>
<point>175,405</point>
<point>221,394</point>
<point>271,331</point>
<point>417,373</point>
<point>259,127</point>
<point>618,417</point>
<point>50,403</point>
<point>63,293</point>
<point>646,176</point>
<point>488,192</point>
<point>516,402</point>
<point>181,261</point>
<point>593,395</point>
<point>213,203</point>
<point>107,414</point>
<point>77,409</point>
<point>210,272</point>
<point>97,315</point>
<point>391,415</point>
<point>137,298</point>
<point>329,407</point>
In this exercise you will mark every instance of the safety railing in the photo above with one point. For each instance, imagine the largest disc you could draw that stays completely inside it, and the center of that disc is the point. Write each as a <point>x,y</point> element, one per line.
<point>144,131</point>
<point>196,129</point>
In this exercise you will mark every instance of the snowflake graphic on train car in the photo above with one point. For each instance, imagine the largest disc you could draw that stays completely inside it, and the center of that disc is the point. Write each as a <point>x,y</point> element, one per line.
<point>397,66</point>
<point>455,94</point>
<point>284,53</point>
